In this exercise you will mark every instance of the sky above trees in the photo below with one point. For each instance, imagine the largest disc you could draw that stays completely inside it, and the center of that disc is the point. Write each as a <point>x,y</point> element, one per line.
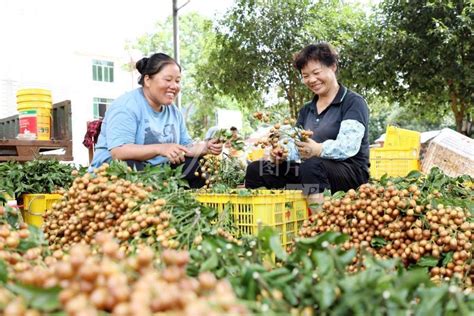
<point>48,31</point>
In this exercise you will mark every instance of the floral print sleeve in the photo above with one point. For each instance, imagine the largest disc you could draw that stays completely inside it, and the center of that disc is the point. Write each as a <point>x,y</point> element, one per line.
<point>347,142</point>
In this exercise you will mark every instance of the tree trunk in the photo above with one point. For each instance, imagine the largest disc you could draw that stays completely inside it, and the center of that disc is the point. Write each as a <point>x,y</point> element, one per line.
<point>186,112</point>
<point>458,110</point>
<point>291,98</point>
<point>457,107</point>
<point>467,125</point>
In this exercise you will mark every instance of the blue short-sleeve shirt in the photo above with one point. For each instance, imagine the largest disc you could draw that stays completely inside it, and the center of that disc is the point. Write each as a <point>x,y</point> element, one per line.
<point>131,120</point>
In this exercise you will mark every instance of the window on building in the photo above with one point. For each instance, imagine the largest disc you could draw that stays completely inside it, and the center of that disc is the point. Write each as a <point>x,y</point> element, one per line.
<point>100,106</point>
<point>102,70</point>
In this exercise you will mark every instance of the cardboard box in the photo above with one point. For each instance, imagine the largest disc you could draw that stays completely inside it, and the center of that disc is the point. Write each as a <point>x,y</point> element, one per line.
<point>452,152</point>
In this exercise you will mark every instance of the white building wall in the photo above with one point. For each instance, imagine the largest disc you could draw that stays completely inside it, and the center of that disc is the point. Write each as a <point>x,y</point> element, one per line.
<point>72,80</point>
<point>7,97</point>
<point>84,91</point>
<point>51,44</point>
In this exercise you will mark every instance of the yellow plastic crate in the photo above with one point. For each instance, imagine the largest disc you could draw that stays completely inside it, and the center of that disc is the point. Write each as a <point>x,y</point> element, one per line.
<point>282,210</point>
<point>255,154</point>
<point>399,138</point>
<point>35,205</point>
<point>393,162</point>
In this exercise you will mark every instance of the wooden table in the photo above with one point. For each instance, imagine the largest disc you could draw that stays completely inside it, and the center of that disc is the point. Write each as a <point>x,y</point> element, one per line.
<point>25,150</point>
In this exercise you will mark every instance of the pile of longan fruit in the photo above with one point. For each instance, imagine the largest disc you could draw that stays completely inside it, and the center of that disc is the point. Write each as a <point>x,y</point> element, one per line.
<point>103,203</point>
<point>407,229</point>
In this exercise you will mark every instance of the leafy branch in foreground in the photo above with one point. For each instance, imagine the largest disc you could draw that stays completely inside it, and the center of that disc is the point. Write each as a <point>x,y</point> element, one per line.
<point>313,278</point>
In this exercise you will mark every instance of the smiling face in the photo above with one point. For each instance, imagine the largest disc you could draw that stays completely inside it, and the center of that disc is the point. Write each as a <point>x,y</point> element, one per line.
<point>319,78</point>
<point>163,87</point>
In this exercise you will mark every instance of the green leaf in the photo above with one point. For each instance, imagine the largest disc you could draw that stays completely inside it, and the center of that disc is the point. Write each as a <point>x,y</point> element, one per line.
<point>35,239</point>
<point>211,263</point>
<point>342,238</point>
<point>13,217</point>
<point>326,294</point>
<point>448,257</point>
<point>275,246</point>
<point>414,278</point>
<point>290,296</point>
<point>275,273</point>
<point>324,262</point>
<point>347,256</point>
<point>338,195</point>
<point>431,301</point>
<point>317,241</point>
<point>264,236</point>
<point>251,290</point>
<point>427,261</point>
<point>307,263</point>
<point>220,273</point>
<point>384,179</point>
<point>308,241</point>
<point>414,174</point>
<point>399,298</point>
<point>378,242</point>
<point>3,271</point>
<point>332,238</point>
<point>39,298</point>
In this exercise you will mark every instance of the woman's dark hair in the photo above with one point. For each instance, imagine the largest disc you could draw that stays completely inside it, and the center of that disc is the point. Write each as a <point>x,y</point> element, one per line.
<point>152,65</point>
<point>322,52</point>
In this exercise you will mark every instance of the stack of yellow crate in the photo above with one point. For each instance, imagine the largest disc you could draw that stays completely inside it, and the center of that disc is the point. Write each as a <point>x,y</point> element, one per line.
<point>251,210</point>
<point>399,155</point>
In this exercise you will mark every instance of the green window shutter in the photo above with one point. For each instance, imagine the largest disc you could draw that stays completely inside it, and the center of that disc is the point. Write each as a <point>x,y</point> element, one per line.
<point>100,105</point>
<point>102,70</point>
<point>99,73</point>
<point>111,74</point>
<point>96,111</point>
<point>95,108</point>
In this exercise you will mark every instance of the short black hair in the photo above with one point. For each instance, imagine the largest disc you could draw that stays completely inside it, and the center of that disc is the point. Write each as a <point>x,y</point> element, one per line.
<point>322,52</point>
<point>233,128</point>
<point>152,65</point>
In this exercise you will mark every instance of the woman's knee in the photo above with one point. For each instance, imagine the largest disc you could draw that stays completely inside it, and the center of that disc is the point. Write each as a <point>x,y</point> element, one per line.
<point>314,176</point>
<point>312,165</point>
<point>253,168</point>
<point>253,175</point>
<point>190,165</point>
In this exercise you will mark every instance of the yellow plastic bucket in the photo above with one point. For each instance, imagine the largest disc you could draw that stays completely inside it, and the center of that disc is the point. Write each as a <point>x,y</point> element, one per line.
<point>34,98</point>
<point>33,92</point>
<point>34,107</point>
<point>35,205</point>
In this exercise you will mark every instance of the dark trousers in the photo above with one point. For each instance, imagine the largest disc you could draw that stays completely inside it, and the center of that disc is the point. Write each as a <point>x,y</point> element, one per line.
<point>190,166</point>
<point>312,176</point>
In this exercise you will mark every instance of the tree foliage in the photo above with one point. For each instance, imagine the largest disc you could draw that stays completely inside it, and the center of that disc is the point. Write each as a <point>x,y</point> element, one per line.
<point>256,40</point>
<point>412,58</point>
<point>195,32</point>
<point>419,53</point>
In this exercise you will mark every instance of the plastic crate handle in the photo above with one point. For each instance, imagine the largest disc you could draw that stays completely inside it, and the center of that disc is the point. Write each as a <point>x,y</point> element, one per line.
<point>27,210</point>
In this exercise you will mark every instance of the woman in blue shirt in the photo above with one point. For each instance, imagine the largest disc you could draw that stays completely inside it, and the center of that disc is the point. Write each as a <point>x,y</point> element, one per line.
<point>143,126</point>
<point>336,157</point>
